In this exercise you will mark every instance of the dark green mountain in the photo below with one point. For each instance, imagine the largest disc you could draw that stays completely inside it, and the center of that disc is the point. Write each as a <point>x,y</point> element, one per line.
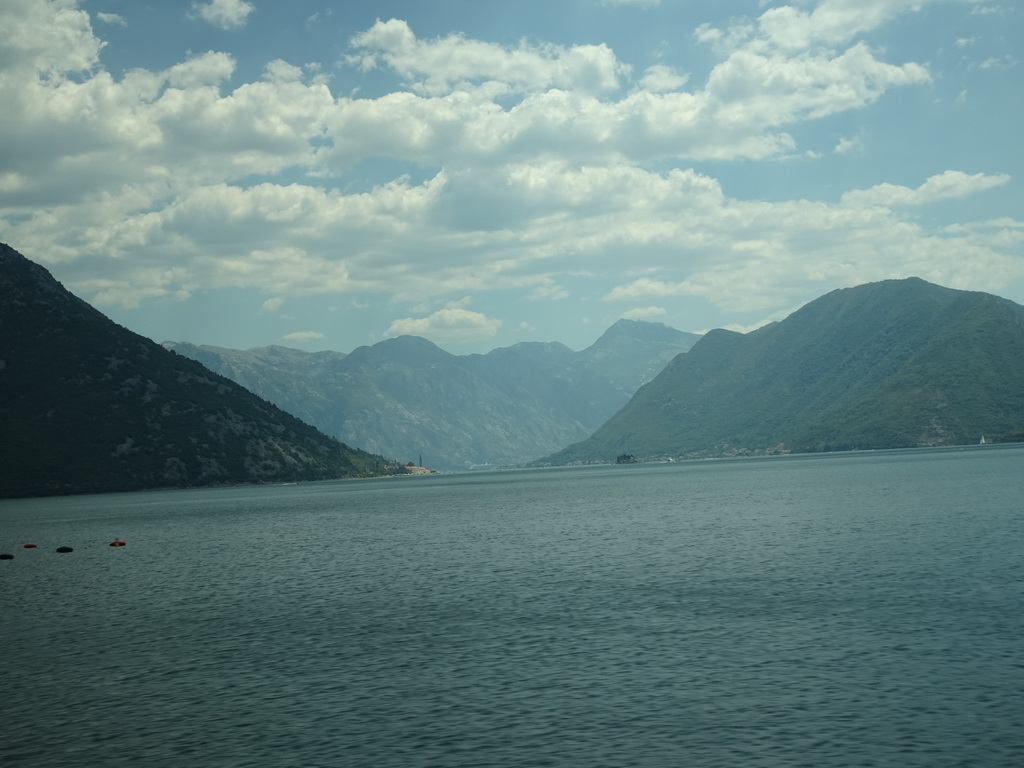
<point>893,364</point>
<point>406,397</point>
<point>88,406</point>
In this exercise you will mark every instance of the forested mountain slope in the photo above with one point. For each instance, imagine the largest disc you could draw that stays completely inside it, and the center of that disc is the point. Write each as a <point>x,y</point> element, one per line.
<point>892,364</point>
<point>89,406</point>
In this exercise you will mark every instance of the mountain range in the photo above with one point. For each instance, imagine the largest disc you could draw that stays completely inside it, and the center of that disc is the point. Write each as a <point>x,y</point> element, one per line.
<point>893,364</point>
<point>89,406</point>
<point>407,398</point>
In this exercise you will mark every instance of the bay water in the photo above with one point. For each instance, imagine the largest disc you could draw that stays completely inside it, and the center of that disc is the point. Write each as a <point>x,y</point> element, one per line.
<point>858,609</point>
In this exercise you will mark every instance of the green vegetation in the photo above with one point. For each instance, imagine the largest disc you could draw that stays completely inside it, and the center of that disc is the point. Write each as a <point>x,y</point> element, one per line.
<point>89,406</point>
<point>894,364</point>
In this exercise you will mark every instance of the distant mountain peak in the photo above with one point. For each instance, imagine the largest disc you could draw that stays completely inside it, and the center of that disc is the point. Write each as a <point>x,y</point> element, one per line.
<point>399,349</point>
<point>637,327</point>
<point>641,330</point>
<point>405,395</point>
<point>625,331</point>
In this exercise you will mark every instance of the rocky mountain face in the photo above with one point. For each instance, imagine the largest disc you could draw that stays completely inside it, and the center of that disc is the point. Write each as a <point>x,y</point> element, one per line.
<point>406,397</point>
<point>893,364</point>
<point>88,406</point>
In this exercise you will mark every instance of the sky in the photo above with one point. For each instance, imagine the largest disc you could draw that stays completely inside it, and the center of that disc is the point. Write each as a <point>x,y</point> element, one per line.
<point>325,175</point>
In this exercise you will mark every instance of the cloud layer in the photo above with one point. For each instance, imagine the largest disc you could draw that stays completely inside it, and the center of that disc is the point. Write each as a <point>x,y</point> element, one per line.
<point>537,165</point>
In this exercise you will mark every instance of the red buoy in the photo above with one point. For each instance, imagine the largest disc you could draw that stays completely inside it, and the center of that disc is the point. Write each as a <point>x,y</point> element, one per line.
<point>118,543</point>
<point>30,545</point>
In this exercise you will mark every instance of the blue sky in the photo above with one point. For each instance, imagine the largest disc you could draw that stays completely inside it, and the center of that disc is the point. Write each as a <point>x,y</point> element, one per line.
<point>329,174</point>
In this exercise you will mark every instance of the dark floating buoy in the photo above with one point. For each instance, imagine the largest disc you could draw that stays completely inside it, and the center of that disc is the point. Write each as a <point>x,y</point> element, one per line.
<point>65,549</point>
<point>29,545</point>
<point>6,556</point>
<point>118,543</point>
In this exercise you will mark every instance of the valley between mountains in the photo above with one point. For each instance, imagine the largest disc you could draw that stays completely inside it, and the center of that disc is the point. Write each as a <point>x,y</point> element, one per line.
<point>90,406</point>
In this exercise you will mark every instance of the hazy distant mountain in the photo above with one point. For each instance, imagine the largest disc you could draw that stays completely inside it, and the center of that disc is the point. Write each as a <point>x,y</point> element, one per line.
<point>893,364</point>
<point>86,405</point>
<point>633,352</point>
<point>407,398</point>
<point>284,376</point>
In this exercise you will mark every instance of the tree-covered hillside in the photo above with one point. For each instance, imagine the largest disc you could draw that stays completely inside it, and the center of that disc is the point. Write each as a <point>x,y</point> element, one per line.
<point>87,405</point>
<point>893,364</point>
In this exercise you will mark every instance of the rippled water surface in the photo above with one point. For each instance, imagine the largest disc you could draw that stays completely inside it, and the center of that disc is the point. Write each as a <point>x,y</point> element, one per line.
<point>855,610</point>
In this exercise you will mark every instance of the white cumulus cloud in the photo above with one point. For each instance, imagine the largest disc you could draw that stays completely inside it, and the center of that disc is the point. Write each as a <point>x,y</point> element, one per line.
<point>943,186</point>
<point>643,313</point>
<point>437,66</point>
<point>447,325</point>
<point>226,14</point>
<point>112,18</point>
<point>52,37</point>
<point>535,168</point>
